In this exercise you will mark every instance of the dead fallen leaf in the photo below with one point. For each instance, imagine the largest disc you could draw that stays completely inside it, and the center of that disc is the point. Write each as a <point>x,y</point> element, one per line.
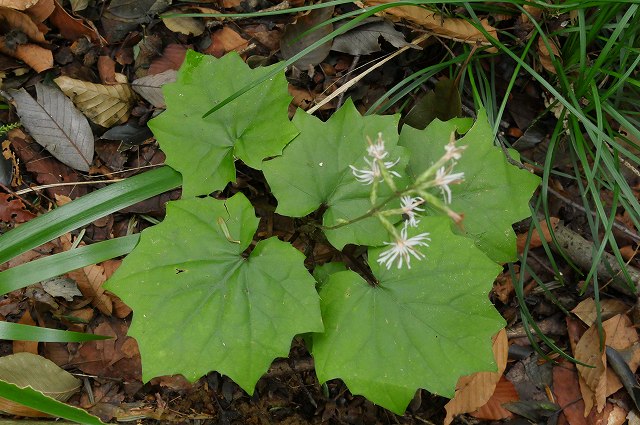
<point>594,382</point>
<point>104,105</point>
<point>296,38</point>
<point>172,57</point>
<point>18,4</point>
<point>545,55</point>
<point>72,28</point>
<point>57,125</point>
<point>586,310</point>
<point>184,25</point>
<point>475,390</point>
<point>89,280</point>
<point>224,41</point>
<point>41,10</point>
<point>26,346</point>
<point>11,19</point>
<point>452,28</point>
<point>505,392</point>
<point>567,393</point>
<point>107,70</point>
<point>620,335</point>
<point>150,87</point>
<point>536,240</point>
<point>13,210</point>
<point>363,39</point>
<point>38,58</point>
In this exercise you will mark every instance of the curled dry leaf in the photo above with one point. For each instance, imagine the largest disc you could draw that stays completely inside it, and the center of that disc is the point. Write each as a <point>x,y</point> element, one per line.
<point>13,20</point>
<point>453,28</point>
<point>296,38</point>
<point>38,58</point>
<point>475,390</point>
<point>57,125</point>
<point>586,310</point>
<point>150,87</point>
<point>72,28</point>
<point>224,41</point>
<point>536,239</point>
<point>505,392</point>
<point>41,10</point>
<point>104,105</point>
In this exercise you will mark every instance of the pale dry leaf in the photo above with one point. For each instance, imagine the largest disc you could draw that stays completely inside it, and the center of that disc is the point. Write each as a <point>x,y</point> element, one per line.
<point>57,125</point>
<point>90,280</point>
<point>505,392</point>
<point>545,55</point>
<point>586,310</point>
<point>474,391</point>
<point>11,19</point>
<point>595,378</point>
<point>184,25</point>
<point>18,4</point>
<point>38,58</point>
<point>621,335</point>
<point>27,369</point>
<point>150,87</point>
<point>633,418</point>
<point>61,287</point>
<point>452,28</point>
<point>224,41</point>
<point>104,105</point>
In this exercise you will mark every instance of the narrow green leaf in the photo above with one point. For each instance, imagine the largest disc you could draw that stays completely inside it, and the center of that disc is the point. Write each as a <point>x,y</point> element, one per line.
<point>494,194</point>
<point>38,401</point>
<point>422,327</point>
<point>314,170</point>
<point>64,262</point>
<point>203,150</point>
<point>18,332</point>
<point>85,210</point>
<point>201,304</point>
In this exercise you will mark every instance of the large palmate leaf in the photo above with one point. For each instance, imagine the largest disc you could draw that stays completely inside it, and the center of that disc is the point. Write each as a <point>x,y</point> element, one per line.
<point>252,127</point>
<point>422,327</point>
<point>201,304</point>
<point>494,194</point>
<point>314,170</point>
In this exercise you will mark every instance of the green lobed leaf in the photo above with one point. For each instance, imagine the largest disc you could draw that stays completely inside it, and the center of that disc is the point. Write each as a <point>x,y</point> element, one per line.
<point>422,327</point>
<point>251,128</point>
<point>200,304</point>
<point>494,194</point>
<point>314,171</point>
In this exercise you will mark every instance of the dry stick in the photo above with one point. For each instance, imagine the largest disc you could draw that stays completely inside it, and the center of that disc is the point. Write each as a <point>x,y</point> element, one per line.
<point>619,226</point>
<point>352,82</point>
<point>581,252</point>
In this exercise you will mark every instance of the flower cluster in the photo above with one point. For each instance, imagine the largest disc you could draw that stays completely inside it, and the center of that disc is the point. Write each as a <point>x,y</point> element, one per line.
<point>439,175</point>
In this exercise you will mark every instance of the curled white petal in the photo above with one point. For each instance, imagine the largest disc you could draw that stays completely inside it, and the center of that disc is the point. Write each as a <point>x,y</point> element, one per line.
<point>410,206</point>
<point>444,177</point>
<point>453,151</point>
<point>403,249</point>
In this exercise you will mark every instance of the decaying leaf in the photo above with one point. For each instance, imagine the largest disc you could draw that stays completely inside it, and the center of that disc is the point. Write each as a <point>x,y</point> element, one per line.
<point>505,392</point>
<point>150,87</point>
<point>224,41</point>
<point>26,346</point>
<point>61,287</point>
<point>102,104</point>
<point>57,125</point>
<point>364,38</point>
<point>545,55</point>
<point>586,310</point>
<point>475,390</point>
<point>72,28</point>
<point>293,41</point>
<point>536,239</point>
<point>453,28</point>
<point>90,280</point>
<point>38,58</point>
<point>27,369</point>
<point>41,10</point>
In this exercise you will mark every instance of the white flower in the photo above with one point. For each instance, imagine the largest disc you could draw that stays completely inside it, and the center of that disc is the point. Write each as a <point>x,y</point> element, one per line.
<point>444,178</point>
<point>377,150</point>
<point>452,151</point>
<point>403,248</point>
<point>368,175</point>
<point>409,207</point>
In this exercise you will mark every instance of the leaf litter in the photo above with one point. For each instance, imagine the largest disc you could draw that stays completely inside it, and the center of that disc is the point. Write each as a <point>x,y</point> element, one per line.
<point>123,24</point>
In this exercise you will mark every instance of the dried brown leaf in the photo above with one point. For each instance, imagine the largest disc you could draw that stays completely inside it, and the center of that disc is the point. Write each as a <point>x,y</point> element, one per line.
<point>594,385</point>
<point>505,392</point>
<point>26,346</point>
<point>546,55</point>
<point>474,391</point>
<point>90,280</point>
<point>150,87</point>
<point>453,28</point>
<point>620,335</point>
<point>41,10</point>
<point>224,41</point>
<point>102,104</point>
<point>171,58</point>
<point>184,25</point>
<point>13,210</point>
<point>18,4</point>
<point>586,310</point>
<point>536,240</point>
<point>567,392</point>
<point>72,28</point>
<point>11,19</point>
